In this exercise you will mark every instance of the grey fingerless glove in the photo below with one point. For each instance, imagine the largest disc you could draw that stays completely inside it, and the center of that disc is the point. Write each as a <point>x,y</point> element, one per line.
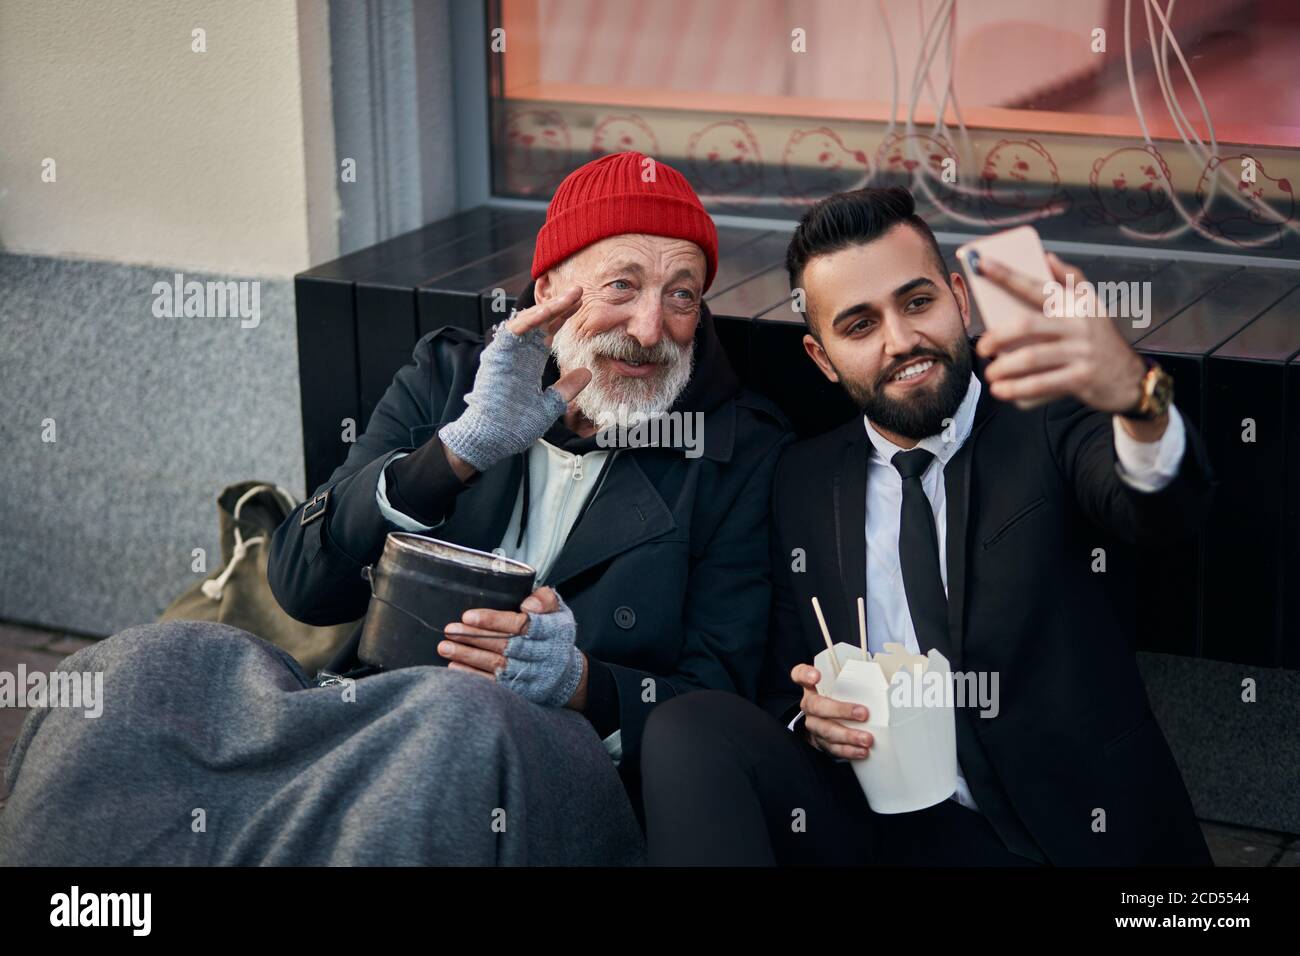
<point>507,408</point>
<point>543,665</point>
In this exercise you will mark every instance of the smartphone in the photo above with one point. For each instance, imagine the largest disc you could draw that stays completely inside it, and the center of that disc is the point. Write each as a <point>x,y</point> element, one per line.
<point>1019,249</point>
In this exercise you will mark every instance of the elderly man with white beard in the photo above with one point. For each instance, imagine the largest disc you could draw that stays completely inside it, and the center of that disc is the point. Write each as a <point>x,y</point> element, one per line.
<point>652,565</point>
<point>652,562</point>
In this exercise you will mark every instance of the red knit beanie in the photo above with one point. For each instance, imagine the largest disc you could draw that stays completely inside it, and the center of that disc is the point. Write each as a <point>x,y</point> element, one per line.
<point>608,197</point>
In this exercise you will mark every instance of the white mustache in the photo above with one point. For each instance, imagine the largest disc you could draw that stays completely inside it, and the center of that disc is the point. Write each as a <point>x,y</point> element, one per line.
<point>609,390</point>
<point>619,345</point>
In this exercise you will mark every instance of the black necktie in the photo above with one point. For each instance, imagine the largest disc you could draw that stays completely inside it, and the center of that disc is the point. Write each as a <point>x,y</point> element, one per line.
<point>918,555</point>
<point>927,603</point>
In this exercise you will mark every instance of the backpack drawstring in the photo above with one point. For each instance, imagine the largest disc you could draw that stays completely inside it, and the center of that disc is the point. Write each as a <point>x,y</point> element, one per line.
<point>215,587</point>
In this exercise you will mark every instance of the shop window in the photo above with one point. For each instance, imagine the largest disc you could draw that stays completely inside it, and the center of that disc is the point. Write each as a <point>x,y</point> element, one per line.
<point>1091,119</point>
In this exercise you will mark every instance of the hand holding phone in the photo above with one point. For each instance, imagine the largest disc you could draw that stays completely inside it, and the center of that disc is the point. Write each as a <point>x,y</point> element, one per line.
<point>1017,249</point>
<point>1037,357</point>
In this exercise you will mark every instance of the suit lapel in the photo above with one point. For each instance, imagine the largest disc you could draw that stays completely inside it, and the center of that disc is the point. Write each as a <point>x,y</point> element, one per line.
<point>956,480</point>
<point>626,511</point>
<point>849,510</point>
<point>957,491</point>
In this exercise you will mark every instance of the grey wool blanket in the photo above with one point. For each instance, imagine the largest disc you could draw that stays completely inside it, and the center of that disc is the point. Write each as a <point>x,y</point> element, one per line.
<point>214,748</point>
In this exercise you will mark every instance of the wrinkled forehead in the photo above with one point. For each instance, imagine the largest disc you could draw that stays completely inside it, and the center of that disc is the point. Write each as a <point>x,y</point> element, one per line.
<point>654,256</point>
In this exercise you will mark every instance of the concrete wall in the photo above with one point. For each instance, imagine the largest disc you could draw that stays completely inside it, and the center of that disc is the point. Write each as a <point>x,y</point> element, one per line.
<point>164,155</point>
<point>219,165</point>
<point>152,417</point>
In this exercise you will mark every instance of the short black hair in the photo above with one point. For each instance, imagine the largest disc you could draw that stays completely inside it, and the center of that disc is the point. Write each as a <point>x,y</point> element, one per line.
<point>853,218</point>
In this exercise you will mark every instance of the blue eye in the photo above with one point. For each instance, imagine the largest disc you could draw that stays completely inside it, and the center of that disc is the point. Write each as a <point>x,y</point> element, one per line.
<point>621,284</point>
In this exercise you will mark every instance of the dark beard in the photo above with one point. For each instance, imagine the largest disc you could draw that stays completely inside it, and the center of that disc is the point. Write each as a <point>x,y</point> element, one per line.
<point>922,415</point>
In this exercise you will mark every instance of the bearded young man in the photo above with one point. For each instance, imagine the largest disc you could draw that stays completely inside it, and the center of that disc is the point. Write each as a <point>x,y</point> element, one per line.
<point>652,564</point>
<point>969,524</point>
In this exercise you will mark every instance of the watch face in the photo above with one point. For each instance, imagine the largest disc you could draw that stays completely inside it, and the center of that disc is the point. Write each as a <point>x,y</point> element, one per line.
<point>1162,392</point>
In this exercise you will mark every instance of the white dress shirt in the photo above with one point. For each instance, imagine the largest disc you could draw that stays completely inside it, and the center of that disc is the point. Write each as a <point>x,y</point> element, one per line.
<point>1146,466</point>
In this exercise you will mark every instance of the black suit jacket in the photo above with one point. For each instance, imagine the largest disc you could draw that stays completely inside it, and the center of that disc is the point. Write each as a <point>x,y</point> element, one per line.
<point>1030,495</point>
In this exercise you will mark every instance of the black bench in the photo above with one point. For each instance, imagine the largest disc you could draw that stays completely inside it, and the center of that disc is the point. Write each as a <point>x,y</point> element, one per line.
<point>1230,336</point>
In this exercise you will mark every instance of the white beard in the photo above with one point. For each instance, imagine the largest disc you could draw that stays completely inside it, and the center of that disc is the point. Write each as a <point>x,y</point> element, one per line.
<point>608,391</point>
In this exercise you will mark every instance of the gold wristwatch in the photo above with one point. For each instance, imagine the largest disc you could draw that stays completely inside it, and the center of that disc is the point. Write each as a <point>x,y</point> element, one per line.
<point>1157,394</point>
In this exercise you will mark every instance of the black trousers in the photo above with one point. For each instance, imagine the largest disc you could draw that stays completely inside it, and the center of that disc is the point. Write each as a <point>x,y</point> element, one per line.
<point>726,784</point>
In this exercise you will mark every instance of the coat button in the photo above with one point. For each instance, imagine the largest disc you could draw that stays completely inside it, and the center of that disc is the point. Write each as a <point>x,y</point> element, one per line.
<point>624,617</point>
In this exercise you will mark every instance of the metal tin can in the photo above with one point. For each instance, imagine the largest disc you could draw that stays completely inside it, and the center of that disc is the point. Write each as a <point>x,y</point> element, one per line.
<point>420,585</point>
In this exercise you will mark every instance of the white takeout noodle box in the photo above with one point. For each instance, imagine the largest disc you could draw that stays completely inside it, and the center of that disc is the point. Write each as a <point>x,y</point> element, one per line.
<point>913,761</point>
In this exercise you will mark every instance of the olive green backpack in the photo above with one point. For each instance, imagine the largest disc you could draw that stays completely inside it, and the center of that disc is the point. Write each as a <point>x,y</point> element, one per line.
<point>239,594</point>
